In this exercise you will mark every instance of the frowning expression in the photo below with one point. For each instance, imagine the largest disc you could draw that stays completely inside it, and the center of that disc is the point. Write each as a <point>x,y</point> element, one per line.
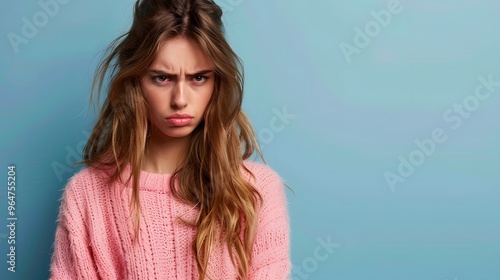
<point>177,87</point>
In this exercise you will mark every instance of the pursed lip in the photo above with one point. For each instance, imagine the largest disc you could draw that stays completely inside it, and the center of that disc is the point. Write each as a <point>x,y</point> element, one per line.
<point>179,119</point>
<point>179,116</point>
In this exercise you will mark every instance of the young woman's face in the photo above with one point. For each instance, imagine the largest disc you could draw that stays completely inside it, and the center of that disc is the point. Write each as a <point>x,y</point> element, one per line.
<point>177,86</point>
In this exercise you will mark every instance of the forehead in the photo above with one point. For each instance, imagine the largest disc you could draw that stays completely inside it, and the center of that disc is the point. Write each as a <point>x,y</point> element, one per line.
<point>181,54</point>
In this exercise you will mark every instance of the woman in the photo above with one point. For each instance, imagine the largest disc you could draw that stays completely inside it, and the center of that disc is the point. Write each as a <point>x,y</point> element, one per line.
<point>167,192</point>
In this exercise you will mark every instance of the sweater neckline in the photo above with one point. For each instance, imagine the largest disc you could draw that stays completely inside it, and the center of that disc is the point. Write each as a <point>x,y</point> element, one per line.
<point>150,181</point>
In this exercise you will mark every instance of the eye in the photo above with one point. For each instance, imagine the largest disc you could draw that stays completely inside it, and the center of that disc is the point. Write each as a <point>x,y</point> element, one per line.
<point>200,78</point>
<point>160,79</point>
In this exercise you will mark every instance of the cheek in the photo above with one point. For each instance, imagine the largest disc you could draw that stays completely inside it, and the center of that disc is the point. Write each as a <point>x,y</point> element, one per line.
<point>209,94</point>
<point>148,92</point>
<point>151,103</point>
<point>206,100</point>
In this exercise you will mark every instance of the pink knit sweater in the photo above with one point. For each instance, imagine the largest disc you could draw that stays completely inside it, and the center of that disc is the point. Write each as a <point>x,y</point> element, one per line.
<point>94,233</point>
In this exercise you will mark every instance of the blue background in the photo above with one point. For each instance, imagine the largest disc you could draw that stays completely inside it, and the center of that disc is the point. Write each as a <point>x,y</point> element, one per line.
<point>352,119</point>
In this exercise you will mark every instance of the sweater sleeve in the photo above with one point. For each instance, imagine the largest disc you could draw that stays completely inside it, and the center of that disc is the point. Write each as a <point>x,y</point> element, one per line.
<point>72,257</point>
<point>271,250</point>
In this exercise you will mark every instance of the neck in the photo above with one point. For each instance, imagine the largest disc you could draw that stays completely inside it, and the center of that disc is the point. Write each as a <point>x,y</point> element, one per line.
<point>163,156</point>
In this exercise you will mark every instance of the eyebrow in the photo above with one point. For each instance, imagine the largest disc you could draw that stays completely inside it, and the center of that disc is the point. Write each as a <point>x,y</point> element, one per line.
<point>163,73</point>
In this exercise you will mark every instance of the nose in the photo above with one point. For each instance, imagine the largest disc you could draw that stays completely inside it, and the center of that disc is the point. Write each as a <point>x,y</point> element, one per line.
<point>179,100</point>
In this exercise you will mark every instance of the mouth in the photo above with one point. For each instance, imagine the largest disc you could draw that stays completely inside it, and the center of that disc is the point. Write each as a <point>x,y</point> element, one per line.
<point>179,120</point>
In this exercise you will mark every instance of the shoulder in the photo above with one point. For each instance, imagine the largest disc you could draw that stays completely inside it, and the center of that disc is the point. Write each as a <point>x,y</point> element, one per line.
<point>273,209</point>
<point>262,173</point>
<point>84,187</point>
<point>87,178</point>
<point>84,195</point>
<point>264,179</point>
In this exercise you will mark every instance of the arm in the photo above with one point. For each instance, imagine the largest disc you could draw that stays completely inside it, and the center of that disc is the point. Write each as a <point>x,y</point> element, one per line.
<point>271,250</point>
<point>72,257</point>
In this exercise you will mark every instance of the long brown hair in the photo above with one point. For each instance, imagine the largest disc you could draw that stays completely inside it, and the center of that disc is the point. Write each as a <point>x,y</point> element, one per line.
<point>211,176</point>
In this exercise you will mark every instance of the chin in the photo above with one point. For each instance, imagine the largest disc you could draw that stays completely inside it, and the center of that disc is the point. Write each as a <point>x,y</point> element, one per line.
<point>180,132</point>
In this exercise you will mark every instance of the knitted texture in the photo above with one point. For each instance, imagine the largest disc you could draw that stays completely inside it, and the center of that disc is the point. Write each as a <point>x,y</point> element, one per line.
<point>94,232</point>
